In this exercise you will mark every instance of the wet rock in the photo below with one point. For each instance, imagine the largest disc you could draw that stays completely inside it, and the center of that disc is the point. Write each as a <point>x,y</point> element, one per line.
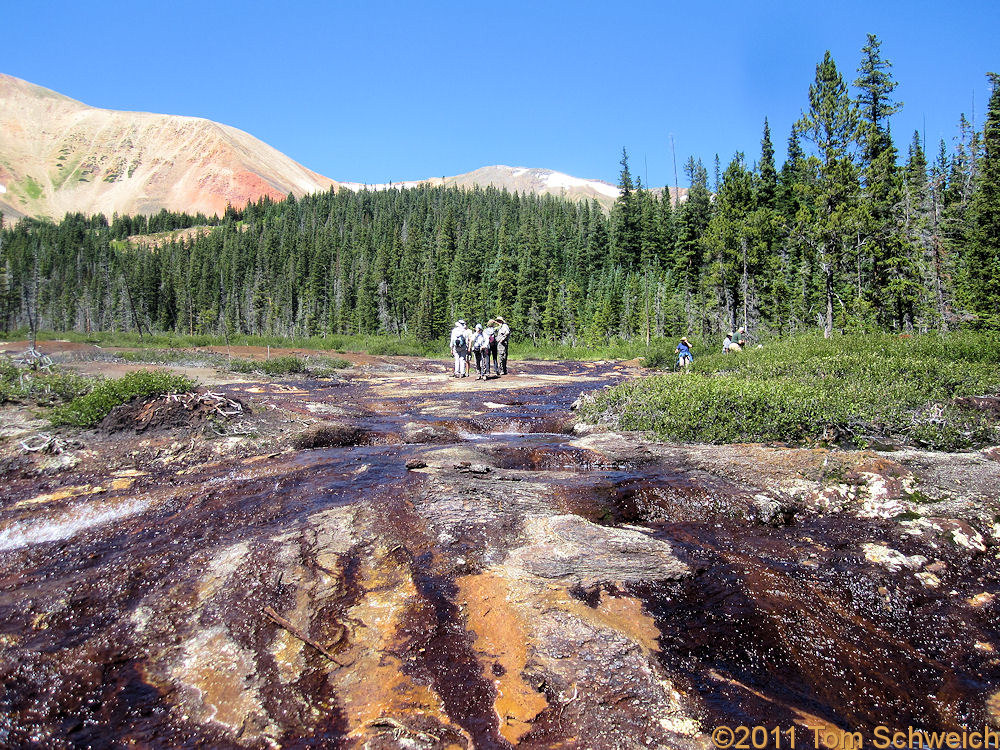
<point>774,511</point>
<point>414,432</point>
<point>574,551</point>
<point>938,566</point>
<point>333,436</point>
<point>620,593</point>
<point>891,559</point>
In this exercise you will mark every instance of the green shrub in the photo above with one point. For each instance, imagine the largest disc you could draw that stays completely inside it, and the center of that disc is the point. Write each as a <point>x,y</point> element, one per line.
<point>808,388</point>
<point>660,357</point>
<point>286,365</point>
<point>41,387</point>
<point>89,409</point>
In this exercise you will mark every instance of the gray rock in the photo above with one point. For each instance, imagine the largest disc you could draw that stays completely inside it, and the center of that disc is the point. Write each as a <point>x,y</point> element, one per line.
<point>577,551</point>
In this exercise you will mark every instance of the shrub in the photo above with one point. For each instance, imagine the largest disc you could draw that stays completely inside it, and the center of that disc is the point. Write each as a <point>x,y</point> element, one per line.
<point>286,365</point>
<point>41,387</point>
<point>660,357</point>
<point>807,388</point>
<point>89,409</point>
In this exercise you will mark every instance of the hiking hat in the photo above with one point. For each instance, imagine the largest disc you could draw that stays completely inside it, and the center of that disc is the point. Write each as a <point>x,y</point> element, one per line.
<point>479,326</point>
<point>685,339</point>
<point>460,323</point>
<point>501,320</point>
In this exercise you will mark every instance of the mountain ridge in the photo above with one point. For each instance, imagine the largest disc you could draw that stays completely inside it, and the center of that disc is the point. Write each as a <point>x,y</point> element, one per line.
<point>59,155</point>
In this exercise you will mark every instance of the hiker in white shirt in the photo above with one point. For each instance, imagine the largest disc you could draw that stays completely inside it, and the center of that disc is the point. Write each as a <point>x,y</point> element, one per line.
<point>460,349</point>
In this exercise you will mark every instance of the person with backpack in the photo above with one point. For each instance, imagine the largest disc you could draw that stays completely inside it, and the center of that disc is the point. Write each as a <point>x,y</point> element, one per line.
<point>460,349</point>
<point>481,348</point>
<point>490,332</point>
<point>502,336</point>
<point>469,335</point>
<point>683,352</point>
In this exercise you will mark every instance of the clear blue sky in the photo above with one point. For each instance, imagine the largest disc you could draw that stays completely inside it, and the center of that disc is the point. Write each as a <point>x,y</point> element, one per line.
<point>373,91</point>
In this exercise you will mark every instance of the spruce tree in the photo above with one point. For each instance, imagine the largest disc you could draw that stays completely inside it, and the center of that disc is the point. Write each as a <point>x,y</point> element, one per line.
<point>983,264</point>
<point>875,86</point>
<point>767,189</point>
<point>626,243</point>
<point>831,124</point>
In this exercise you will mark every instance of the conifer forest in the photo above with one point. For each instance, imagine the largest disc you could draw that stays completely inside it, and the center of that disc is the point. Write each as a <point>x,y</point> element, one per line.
<point>859,229</point>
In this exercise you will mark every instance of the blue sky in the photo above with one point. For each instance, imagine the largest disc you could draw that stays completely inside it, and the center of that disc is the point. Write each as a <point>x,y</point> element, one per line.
<point>378,91</point>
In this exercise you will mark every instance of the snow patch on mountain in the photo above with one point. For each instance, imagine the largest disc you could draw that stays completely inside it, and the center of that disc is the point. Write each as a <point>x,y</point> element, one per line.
<point>556,180</point>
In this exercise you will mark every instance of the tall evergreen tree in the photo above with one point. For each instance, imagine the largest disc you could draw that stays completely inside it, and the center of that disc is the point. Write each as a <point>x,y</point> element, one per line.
<point>831,124</point>
<point>767,190</point>
<point>983,265</point>
<point>875,86</point>
<point>626,242</point>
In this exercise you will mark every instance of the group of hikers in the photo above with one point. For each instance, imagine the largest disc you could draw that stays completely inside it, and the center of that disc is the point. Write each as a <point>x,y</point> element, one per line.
<point>734,342</point>
<point>485,344</point>
<point>489,344</point>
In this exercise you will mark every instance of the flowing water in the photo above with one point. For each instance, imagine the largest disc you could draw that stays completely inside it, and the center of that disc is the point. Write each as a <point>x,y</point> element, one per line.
<point>519,585</point>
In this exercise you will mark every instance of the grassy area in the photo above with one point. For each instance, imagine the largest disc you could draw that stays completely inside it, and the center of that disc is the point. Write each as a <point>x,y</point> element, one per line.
<point>377,345</point>
<point>167,340</point>
<point>849,388</point>
<point>276,366</point>
<point>31,188</point>
<point>288,365</point>
<point>89,409</point>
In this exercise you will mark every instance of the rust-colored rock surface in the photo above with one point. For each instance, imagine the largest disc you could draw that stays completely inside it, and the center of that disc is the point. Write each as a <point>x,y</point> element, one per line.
<point>287,580</point>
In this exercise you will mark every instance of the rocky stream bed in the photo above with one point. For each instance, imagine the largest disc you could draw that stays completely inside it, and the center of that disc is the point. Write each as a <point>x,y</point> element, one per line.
<point>394,559</point>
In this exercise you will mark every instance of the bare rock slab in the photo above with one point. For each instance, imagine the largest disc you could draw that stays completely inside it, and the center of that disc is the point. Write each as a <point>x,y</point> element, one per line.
<point>575,551</point>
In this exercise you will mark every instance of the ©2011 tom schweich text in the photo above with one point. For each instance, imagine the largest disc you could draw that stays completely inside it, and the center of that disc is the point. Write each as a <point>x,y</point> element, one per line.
<point>880,738</point>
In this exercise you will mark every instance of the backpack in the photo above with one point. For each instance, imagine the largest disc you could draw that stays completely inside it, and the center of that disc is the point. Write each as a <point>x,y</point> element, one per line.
<point>459,341</point>
<point>493,338</point>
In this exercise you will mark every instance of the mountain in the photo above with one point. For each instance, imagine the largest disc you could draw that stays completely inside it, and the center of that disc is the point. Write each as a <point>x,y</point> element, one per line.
<point>523,180</point>
<point>59,155</point>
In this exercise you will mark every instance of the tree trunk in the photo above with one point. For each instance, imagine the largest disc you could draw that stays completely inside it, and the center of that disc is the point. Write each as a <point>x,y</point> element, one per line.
<point>746,284</point>
<point>828,326</point>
